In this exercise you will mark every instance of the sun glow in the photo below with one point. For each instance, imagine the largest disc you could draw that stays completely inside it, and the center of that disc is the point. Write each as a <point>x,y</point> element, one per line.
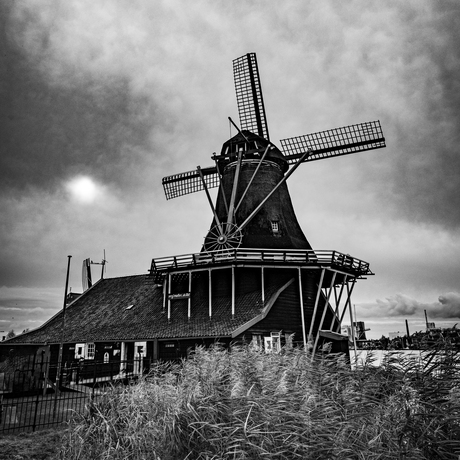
<point>83,189</point>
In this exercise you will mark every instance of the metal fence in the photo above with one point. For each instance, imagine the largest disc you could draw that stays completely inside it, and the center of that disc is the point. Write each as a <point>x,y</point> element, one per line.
<point>29,399</point>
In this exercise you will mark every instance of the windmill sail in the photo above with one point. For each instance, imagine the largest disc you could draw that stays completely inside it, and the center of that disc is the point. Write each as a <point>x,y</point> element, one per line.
<point>189,182</point>
<point>334,142</point>
<point>249,98</point>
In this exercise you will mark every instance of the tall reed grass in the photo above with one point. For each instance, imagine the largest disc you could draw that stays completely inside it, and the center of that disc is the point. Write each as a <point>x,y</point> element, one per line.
<point>245,404</point>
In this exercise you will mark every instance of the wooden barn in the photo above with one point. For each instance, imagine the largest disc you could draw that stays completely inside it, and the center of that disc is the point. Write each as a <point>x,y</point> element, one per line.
<point>256,279</point>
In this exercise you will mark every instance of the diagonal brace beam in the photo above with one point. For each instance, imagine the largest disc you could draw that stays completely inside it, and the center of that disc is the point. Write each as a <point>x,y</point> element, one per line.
<point>281,182</point>
<point>219,225</point>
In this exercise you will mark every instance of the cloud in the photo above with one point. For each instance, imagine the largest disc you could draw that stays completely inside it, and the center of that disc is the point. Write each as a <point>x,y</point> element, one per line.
<point>126,92</point>
<point>75,122</point>
<point>24,307</point>
<point>425,184</point>
<point>400,305</point>
<point>105,89</point>
<point>14,298</point>
<point>450,306</point>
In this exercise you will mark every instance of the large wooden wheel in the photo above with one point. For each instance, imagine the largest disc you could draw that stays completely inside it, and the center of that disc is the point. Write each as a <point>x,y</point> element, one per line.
<point>221,238</point>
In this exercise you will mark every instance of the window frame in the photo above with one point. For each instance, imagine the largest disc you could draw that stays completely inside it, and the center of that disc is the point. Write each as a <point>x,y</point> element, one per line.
<point>90,350</point>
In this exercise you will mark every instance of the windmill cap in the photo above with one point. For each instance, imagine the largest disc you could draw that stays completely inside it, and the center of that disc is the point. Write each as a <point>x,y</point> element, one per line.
<point>253,147</point>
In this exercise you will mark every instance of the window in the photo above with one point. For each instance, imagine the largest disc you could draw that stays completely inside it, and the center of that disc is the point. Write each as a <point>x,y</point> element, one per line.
<point>79,351</point>
<point>275,227</point>
<point>140,349</point>
<point>256,342</point>
<point>90,350</point>
<point>268,345</point>
<point>272,344</point>
<point>276,341</point>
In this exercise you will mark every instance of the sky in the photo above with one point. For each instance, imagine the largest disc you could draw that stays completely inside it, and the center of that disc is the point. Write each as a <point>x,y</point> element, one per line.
<point>100,100</point>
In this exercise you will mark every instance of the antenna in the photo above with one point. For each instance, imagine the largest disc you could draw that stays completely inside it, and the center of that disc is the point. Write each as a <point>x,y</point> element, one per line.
<point>103,266</point>
<point>87,281</point>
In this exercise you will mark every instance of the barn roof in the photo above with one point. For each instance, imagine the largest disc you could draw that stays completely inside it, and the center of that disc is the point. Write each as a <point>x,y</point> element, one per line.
<point>102,314</point>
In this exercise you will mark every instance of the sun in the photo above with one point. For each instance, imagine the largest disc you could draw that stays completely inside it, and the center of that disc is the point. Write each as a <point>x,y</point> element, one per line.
<point>83,189</point>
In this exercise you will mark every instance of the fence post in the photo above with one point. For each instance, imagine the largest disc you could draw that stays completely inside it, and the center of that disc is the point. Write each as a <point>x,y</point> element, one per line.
<point>37,400</point>
<point>94,377</point>
<point>2,389</point>
<point>46,373</point>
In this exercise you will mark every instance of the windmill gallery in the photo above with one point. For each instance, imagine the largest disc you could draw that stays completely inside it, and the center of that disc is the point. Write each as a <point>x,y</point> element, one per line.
<point>256,279</point>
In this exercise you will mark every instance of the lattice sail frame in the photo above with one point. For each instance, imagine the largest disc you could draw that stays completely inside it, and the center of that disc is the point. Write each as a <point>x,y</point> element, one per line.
<point>334,142</point>
<point>249,98</point>
<point>189,182</point>
<point>324,144</point>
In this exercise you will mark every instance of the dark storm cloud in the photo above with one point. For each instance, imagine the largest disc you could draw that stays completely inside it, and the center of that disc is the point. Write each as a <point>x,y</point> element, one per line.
<point>50,132</point>
<point>426,174</point>
<point>125,91</point>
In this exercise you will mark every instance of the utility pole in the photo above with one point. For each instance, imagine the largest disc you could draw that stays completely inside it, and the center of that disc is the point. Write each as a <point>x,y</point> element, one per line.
<point>408,333</point>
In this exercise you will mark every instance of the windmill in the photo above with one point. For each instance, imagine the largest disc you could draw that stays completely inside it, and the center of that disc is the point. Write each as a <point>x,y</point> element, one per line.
<point>253,221</point>
<point>253,208</point>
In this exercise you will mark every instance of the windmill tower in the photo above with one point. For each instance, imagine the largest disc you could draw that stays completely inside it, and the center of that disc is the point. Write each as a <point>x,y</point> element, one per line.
<point>255,246</point>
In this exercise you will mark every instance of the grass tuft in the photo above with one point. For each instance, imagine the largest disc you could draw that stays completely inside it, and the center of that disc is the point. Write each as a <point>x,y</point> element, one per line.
<point>245,404</point>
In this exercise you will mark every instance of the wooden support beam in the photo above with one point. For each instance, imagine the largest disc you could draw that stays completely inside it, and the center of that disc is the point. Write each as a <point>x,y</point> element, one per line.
<point>326,306</point>
<point>274,189</point>
<point>210,294</point>
<point>221,188</point>
<point>252,177</point>
<point>353,336</point>
<point>347,303</point>
<point>233,291</point>
<point>318,293</point>
<point>337,306</point>
<point>165,292</point>
<point>231,208</point>
<point>205,187</point>
<point>263,284</point>
<point>189,300</point>
<point>169,299</point>
<point>302,313</point>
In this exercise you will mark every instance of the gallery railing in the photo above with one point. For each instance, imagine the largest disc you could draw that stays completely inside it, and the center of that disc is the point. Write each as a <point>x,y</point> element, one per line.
<point>293,256</point>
